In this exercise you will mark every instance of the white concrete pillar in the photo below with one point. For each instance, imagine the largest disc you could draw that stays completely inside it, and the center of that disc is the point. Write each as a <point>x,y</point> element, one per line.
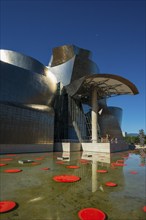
<point>94,115</point>
<point>94,175</point>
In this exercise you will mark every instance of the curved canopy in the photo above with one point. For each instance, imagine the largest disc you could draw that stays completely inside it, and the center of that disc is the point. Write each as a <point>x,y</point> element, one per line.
<point>107,85</point>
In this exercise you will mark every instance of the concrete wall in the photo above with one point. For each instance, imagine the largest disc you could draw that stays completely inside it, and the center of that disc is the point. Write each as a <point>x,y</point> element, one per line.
<point>66,146</point>
<point>104,147</point>
<point>96,147</point>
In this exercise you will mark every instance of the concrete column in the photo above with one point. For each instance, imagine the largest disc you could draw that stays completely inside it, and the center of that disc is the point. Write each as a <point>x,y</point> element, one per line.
<point>94,115</point>
<point>94,175</point>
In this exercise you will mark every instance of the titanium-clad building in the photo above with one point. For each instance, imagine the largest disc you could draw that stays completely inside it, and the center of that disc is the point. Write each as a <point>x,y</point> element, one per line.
<point>26,93</point>
<point>46,104</point>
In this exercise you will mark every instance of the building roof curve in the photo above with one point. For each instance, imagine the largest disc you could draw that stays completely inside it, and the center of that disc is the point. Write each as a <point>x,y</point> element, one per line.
<point>64,53</point>
<point>21,60</point>
<point>107,85</point>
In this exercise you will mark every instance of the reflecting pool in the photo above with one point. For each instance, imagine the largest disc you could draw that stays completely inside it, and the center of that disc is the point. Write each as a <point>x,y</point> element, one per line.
<point>40,197</point>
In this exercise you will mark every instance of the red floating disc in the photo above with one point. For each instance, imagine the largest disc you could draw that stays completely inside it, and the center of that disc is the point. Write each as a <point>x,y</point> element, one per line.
<point>142,165</point>
<point>133,172</point>
<point>119,164</point>
<point>91,214</point>
<point>35,163</point>
<point>12,171</point>
<point>40,158</point>
<point>101,171</point>
<point>144,208</point>
<point>66,178</point>
<point>120,161</point>
<point>72,167</point>
<point>113,166</point>
<point>45,168</point>
<point>83,161</point>
<point>6,159</point>
<point>6,206</point>
<point>110,184</point>
<point>2,164</point>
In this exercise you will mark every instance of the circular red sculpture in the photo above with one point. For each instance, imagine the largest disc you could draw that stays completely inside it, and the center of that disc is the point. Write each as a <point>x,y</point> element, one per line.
<point>45,168</point>
<point>6,159</point>
<point>12,171</point>
<point>83,161</point>
<point>39,158</point>
<point>91,214</point>
<point>66,178</point>
<point>110,184</point>
<point>2,164</point>
<point>35,163</point>
<point>101,171</point>
<point>59,162</point>
<point>133,172</point>
<point>142,165</point>
<point>119,164</point>
<point>6,206</point>
<point>72,167</point>
<point>144,208</point>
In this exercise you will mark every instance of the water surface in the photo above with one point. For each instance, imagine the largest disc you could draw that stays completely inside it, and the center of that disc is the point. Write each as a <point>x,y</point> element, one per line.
<point>39,197</point>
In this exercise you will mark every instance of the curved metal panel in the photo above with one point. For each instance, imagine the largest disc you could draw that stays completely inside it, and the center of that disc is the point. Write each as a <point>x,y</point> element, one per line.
<point>26,88</point>
<point>117,112</point>
<point>24,125</point>
<point>22,86</point>
<point>63,72</point>
<point>64,53</point>
<point>83,67</point>
<point>70,63</point>
<point>107,85</point>
<point>110,121</point>
<point>23,61</point>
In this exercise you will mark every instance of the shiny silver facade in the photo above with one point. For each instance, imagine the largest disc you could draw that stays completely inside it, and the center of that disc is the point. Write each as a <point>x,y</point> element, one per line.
<point>44,104</point>
<point>70,63</point>
<point>77,75</point>
<point>26,93</point>
<point>110,122</point>
<point>22,61</point>
<point>22,124</point>
<point>117,112</point>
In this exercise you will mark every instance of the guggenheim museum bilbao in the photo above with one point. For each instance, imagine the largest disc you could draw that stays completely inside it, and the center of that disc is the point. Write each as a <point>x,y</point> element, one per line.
<point>61,106</point>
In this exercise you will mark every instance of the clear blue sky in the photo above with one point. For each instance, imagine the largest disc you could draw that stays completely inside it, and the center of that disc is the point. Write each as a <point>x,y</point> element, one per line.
<point>113,30</point>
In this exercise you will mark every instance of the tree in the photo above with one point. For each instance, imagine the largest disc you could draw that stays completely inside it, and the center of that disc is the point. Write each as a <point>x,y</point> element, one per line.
<point>132,139</point>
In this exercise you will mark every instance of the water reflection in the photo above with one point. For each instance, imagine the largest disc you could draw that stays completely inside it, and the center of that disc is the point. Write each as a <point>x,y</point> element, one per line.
<point>48,199</point>
<point>97,159</point>
<point>64,157</point>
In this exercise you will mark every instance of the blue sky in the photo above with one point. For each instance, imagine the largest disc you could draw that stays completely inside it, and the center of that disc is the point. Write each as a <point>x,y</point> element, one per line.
<point>113,30</point>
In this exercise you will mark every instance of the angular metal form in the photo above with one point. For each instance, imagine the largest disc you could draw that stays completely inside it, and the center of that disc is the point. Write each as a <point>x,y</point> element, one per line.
<point>70,63</point>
